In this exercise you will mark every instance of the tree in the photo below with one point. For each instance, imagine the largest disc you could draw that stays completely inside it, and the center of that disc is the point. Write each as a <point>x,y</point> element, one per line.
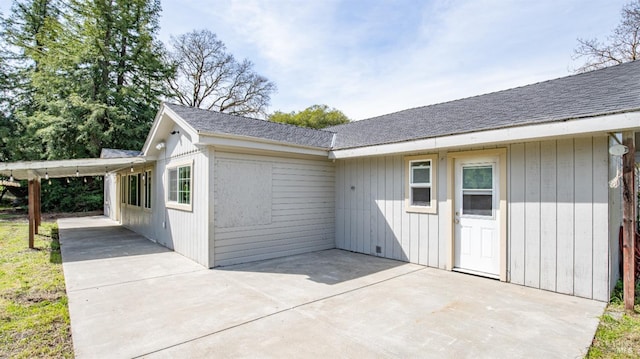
<point>94,73</point>
<point>621,46</point>
<point>84,75</point>
<point>316,116</point>
<point>207,76</point>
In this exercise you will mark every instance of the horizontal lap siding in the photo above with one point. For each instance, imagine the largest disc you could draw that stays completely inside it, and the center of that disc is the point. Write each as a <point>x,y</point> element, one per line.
<point>302,215</point>
<point>370,213</point>
<point>558,221</point>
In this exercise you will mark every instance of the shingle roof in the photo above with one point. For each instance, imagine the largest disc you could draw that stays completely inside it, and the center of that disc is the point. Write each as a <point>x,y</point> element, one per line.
<point>610,90</point>
<point>220,123</point>
<point>114,153</point>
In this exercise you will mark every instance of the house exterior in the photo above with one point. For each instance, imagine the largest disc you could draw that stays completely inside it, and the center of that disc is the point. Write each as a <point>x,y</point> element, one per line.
<point>512,185</point>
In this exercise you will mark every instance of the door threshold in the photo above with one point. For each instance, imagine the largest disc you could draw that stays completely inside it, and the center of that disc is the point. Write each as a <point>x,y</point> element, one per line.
<point>477,273</point>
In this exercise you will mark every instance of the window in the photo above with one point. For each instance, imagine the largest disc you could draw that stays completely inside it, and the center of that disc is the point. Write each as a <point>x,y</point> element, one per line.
<point>179,187</point>
<point>123,189</point>
<point>477,190</point>
<point>147,189</point>
<point>134,189</point>
<point>420,184</point>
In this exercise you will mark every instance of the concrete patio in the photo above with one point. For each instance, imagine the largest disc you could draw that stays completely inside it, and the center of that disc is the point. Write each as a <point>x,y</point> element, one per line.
<point>129,297</point>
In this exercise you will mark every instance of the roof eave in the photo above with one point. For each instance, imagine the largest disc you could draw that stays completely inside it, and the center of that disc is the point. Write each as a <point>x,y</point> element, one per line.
<point>628,120</point>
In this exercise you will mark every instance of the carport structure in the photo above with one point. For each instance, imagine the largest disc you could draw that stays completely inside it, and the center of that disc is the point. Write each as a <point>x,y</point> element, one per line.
<point>35,171</point>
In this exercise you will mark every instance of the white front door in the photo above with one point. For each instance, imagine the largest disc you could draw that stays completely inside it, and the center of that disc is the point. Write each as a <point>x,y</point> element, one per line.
<point>476,216</point>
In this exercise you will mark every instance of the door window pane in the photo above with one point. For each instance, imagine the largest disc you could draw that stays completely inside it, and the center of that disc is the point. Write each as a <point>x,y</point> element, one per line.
<point>477,204</point>
<point>477,177</point>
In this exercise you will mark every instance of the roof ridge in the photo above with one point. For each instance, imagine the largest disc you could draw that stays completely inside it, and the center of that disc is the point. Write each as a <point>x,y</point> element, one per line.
<point>245,117</point>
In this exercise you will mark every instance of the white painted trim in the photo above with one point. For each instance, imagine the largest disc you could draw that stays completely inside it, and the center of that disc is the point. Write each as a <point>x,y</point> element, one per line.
<point>584,126</point>
<point>174,204</point>
<point>162,115</point>
<point>256,144</point>
<point>66,168</point>
<point>408,207</point>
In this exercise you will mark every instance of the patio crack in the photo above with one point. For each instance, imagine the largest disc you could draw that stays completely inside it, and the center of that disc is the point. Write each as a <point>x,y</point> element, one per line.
<point>280,312</point>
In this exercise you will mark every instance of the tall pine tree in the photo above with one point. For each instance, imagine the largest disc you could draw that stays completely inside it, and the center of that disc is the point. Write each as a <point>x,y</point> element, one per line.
<point>94,74</point>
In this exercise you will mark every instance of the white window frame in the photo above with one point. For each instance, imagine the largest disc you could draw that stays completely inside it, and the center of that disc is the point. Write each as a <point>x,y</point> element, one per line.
<point>138,176</point>
<point>409,206</point>
<point>148,189</point>
<point>174,204</point>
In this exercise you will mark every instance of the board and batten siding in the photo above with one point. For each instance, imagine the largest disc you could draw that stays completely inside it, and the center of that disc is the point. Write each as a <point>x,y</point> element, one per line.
<point>186,232</point>
<point>370,212</point>
<point>267,206</point>
<point>558,216</point>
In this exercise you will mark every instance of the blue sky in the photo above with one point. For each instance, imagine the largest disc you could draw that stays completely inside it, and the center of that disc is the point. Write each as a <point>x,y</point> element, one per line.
<point>369,58</point>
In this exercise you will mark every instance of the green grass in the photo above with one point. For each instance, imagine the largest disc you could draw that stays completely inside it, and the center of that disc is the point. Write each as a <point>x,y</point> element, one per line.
<point>618,335</point>
<point>34,317</point>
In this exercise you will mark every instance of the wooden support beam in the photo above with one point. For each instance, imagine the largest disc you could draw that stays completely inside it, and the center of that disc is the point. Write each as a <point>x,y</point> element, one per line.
<point>628,220</point>
<point>37,205</point>
<point>32,213</point>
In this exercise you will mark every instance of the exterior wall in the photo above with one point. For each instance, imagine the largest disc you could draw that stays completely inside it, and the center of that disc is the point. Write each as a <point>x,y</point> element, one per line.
<point>271,206</point>
<point>111,196</point>
<point>557,215</point>
<point>370,212</point>
<point>136,218</point>
<point>186,232</point>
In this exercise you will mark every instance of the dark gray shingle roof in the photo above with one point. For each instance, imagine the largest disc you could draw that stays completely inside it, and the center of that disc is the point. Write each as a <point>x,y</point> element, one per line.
<point>114,153</point>
<point>220,123</point>
<point>610,90</point>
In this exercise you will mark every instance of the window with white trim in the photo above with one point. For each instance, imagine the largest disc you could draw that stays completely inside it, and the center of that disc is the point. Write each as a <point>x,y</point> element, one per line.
<point>179,188</point>
<point>147,189</point>
<point>123,189</point>
<point>420,184</point>
<point>134,189</point>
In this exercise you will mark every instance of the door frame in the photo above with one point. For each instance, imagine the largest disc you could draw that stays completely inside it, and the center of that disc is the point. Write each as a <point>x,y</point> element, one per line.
<point>452,157</point>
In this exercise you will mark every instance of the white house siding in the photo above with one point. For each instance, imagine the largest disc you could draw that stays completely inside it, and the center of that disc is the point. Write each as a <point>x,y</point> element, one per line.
<point>558,217</point>
<point>268,206</point>
<point>110,196</point>
<point>186,232</point>
<point>370,212</point>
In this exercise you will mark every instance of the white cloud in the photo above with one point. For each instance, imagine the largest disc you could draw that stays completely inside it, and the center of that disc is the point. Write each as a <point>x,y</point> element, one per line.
<point>370,58</point>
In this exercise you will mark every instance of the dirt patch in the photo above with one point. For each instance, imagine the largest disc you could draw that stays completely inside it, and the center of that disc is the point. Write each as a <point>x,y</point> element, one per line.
<point>32,297</point>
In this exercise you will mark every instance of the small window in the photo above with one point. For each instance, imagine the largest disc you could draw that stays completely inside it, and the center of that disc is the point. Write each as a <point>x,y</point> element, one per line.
<point>147,189</point>
<point>123,189</point>
<point>134,190</point>
<point>420,188</point>
<point>477,190</point>
<point>179,188</point>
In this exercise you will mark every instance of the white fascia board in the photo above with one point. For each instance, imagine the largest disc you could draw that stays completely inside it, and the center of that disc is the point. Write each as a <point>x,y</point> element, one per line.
<point>84,162</point>
<point>153,130</point>
<point>257,144</point>
<point>600,124</point>
<point>152,138</point>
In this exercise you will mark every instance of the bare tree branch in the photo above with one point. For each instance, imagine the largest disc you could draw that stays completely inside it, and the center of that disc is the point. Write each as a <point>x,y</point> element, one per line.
<point>621,46</point>
<point>209,77</point>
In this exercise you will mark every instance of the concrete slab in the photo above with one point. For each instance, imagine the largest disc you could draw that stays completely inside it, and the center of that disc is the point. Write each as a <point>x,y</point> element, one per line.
<point>138,299</point>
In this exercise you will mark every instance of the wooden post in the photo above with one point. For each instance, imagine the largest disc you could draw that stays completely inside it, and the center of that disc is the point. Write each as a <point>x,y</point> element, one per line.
<point>628,220</point>
<point>37,205</point>
<point>32,213</point>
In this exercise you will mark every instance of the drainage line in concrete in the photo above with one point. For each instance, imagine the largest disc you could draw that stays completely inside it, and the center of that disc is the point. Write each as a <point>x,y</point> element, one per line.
<point>278,312</point>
